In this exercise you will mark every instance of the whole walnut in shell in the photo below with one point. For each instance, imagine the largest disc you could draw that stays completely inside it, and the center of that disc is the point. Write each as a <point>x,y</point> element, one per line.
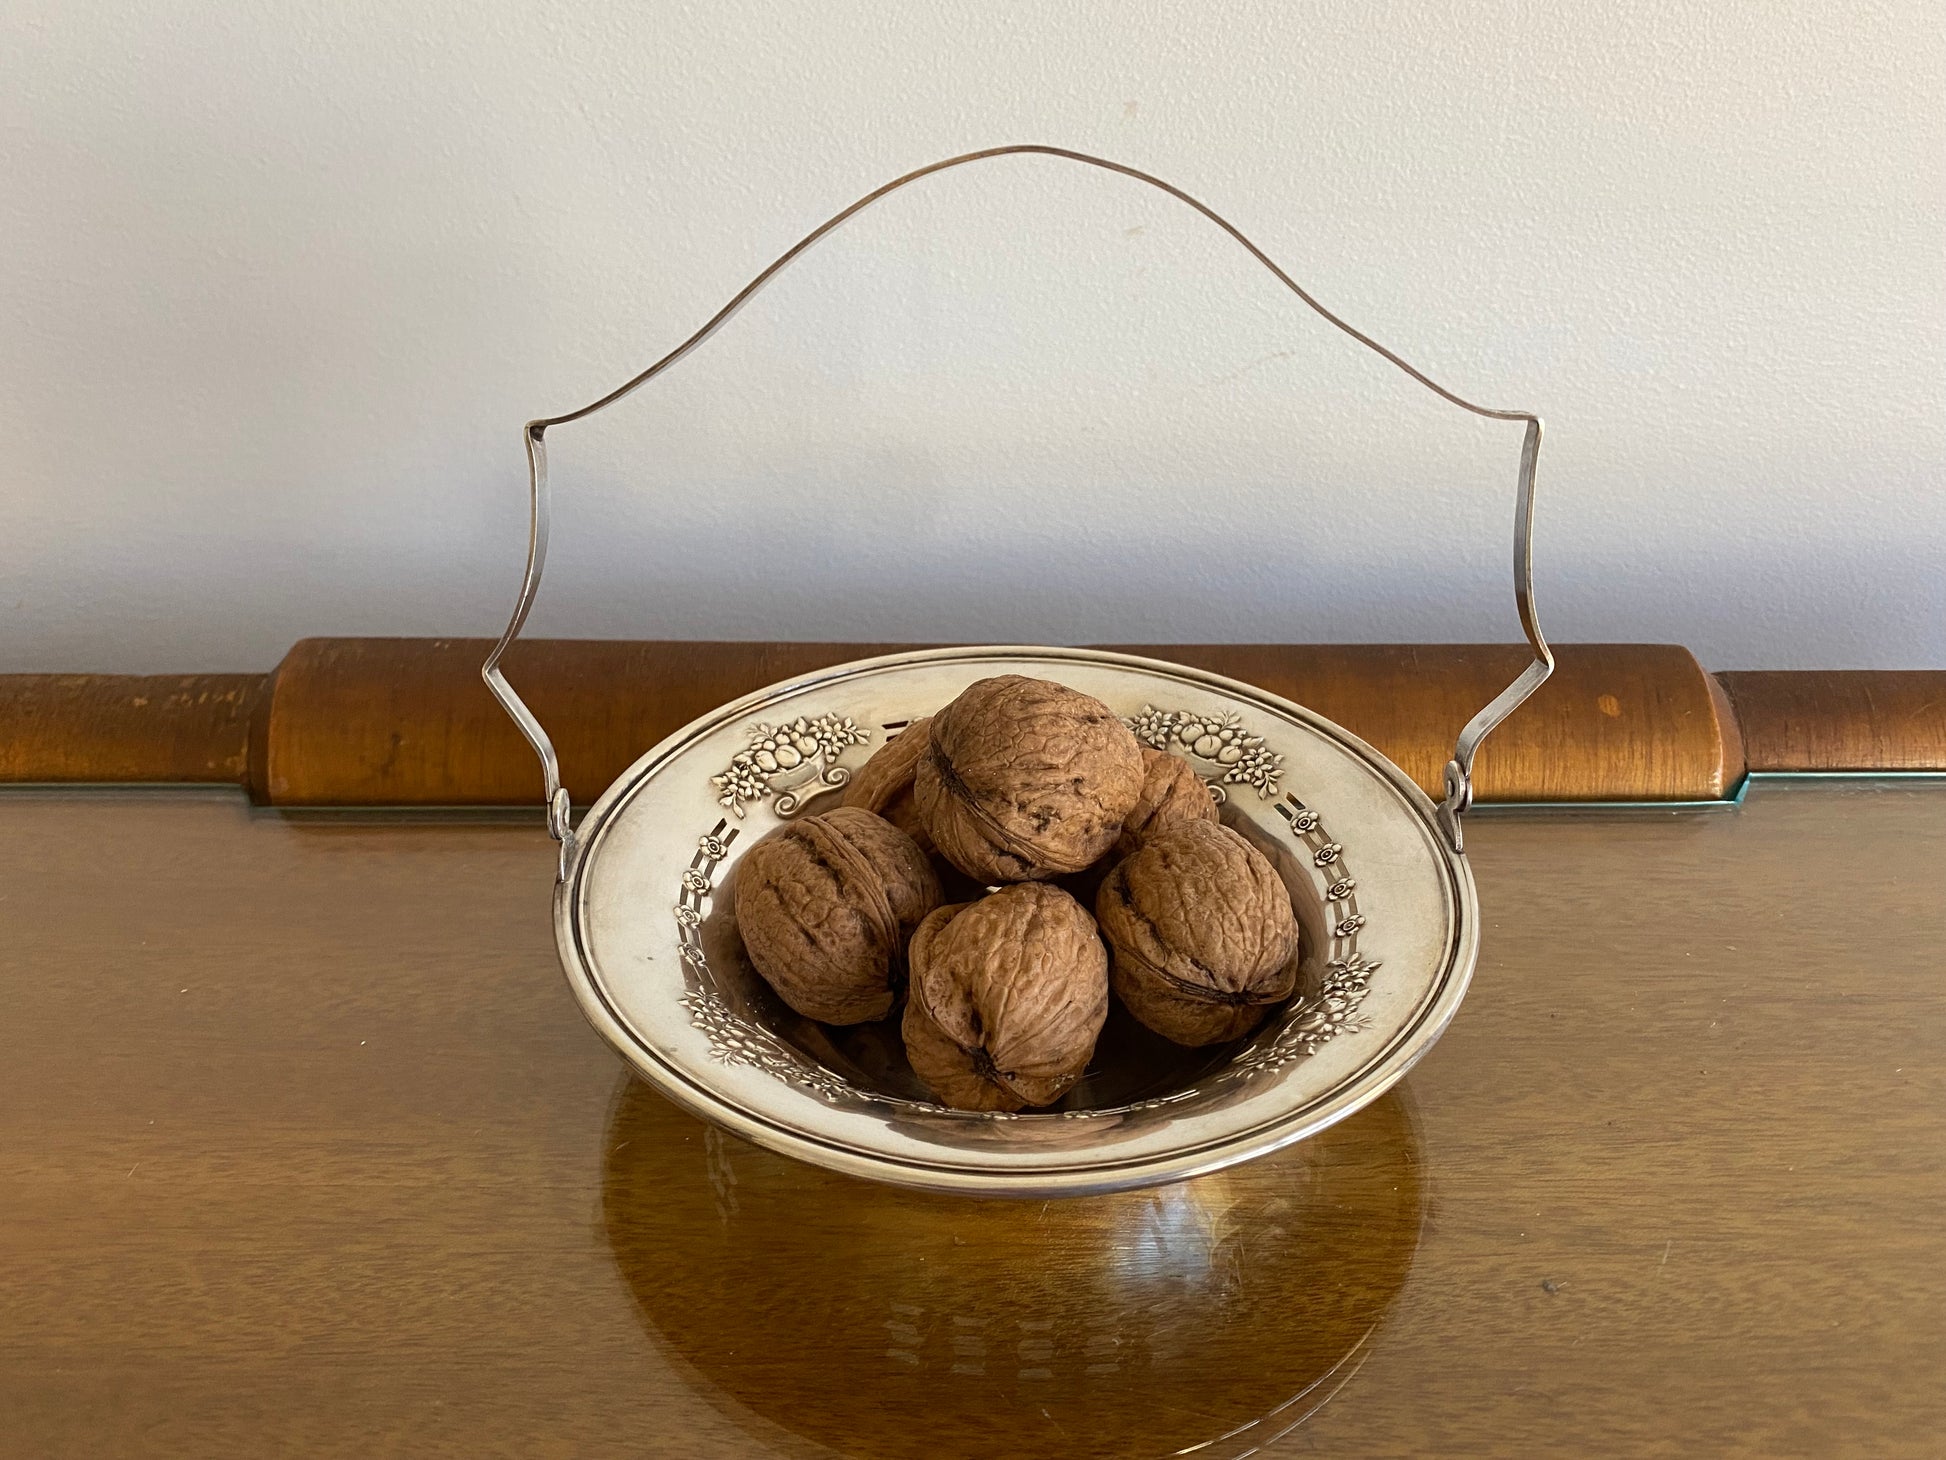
<point>1202,931</point>
<point>1171,791</point>
<point>826,905</point>
<point>883,784</point>
<point>1024,779</point>
<point>1008,995</point>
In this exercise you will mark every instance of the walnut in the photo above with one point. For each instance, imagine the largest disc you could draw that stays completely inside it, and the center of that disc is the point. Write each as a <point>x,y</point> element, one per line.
<point>1202,931</point>
<point>1008,994</point>
<point>826,904</point>
<point>1171,791</point>
<point>1023,779</point>
<point>883,784</point>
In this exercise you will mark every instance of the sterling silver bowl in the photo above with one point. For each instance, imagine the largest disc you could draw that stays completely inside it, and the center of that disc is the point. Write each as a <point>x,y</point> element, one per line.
<point>646,927</point>
<point>1377,873</point>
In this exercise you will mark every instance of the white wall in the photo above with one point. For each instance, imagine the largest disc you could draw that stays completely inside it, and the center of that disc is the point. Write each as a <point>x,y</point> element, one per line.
<point>280,281</point>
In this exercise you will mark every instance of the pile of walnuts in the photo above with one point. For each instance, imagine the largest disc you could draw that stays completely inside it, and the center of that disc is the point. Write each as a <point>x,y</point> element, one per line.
<point>1025,792</point>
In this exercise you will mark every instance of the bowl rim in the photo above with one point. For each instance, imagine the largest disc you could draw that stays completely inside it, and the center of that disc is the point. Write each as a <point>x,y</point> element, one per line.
<point>1081,1177</point>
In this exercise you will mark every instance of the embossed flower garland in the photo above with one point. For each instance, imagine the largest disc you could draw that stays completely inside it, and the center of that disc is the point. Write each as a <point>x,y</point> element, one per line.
<point>1218,738</point>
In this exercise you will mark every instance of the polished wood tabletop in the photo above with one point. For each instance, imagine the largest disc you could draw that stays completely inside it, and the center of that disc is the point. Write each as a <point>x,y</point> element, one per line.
<point>304,1149</point>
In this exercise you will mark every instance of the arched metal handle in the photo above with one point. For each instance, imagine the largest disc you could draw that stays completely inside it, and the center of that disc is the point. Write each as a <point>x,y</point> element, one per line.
<point>1459,770</point>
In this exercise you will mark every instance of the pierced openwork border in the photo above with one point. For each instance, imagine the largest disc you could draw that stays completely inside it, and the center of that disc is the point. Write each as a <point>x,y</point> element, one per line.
<point>734,1040</point>
<point>813,747</point>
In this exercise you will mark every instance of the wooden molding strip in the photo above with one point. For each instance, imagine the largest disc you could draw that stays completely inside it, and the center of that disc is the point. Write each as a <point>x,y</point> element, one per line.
<point>361,722</point>
<point>1841,719</point>
<point>126,727</point>
<point>408,722</point>
<point>1615,722</point>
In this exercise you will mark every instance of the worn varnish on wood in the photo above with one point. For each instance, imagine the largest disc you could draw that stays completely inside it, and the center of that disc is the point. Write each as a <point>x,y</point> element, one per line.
<point>1615,722</point>
<point>126,727</point>
<point>1841,719</point>
<point>405,721</point>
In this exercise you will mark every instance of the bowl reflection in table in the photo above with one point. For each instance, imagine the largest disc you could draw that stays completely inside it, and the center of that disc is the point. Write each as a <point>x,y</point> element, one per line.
<point>891,1325</point>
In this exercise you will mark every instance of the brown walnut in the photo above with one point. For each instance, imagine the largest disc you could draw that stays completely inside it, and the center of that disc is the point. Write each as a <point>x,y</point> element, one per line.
<point>826,904</point>
<point>1202,932</point>
<point>883,784</point>
<point>1008,995</point>
<point>1024,779</point>
<point>1171,791</point>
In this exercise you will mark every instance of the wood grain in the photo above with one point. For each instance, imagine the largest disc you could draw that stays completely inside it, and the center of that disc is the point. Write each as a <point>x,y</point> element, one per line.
<point>1615,722</point>
<point>1841,720</point>
<point>305,1150</point>
<point>393,722</point>
<point>126,727</point>
<point>408,722</point>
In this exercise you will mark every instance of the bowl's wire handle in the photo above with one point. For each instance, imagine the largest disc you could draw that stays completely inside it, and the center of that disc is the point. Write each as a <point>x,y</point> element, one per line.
<point>1459,770</point>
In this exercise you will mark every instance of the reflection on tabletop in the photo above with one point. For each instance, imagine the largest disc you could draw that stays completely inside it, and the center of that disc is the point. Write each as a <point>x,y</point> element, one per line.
<point>1210,1316</point>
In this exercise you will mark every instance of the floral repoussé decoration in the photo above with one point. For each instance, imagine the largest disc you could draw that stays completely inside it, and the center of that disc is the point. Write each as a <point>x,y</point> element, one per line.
<point>1218,738</point>
<point>780,756</point>
<point>789,765</point>
<point>1316,1020</point>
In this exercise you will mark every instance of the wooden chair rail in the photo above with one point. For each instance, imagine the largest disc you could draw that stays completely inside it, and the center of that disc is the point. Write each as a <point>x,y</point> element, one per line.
<point>1841,719</point>
<point>345,722</point>
<point>127,727</point>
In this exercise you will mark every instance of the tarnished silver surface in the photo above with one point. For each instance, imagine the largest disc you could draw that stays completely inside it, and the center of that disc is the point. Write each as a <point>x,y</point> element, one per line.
<point>641,905</point>
<point>645,922</point>
<point>1459,770</point>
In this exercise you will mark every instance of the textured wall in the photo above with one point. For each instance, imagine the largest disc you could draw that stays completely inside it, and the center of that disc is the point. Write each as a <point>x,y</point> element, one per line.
<point>279,282</point>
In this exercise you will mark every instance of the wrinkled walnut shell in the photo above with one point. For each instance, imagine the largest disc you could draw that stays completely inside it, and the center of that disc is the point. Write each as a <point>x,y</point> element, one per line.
<point>1171,791</point>
<point>1008,995</point>
<point>1202,932</point>
<point>1024,779</point>
<point>825,905</point>
<point>883,784</point>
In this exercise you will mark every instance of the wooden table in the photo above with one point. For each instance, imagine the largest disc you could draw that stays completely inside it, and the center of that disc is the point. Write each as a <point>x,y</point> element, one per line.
<point>304,1149</point>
